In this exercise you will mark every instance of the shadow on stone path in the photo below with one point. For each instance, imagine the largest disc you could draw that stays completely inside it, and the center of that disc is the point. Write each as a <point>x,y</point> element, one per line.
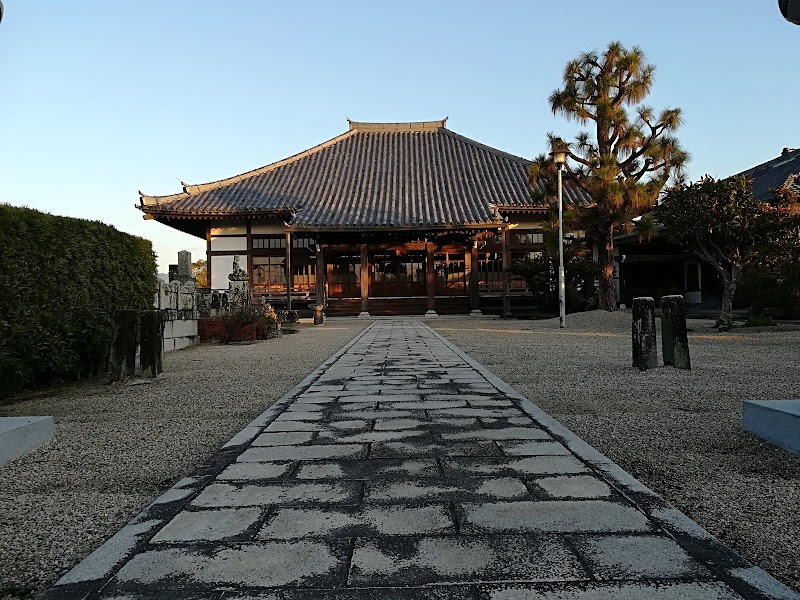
<point>402,469</point>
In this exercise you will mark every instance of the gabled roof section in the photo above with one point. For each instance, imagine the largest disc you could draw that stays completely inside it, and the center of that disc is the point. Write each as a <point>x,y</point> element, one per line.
<point>776,173</point>
<point>376,175</point>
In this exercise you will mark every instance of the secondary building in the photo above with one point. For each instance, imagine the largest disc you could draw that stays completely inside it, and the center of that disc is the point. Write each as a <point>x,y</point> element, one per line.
<point>387,218</point>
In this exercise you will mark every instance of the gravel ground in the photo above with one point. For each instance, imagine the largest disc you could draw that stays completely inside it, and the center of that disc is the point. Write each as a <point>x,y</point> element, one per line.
<point>677,431</point>
<point>117,447</point>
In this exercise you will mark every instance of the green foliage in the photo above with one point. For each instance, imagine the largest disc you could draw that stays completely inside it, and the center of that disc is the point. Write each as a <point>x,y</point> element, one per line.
<point>627,160</point>
<point>541,274</point>
<point>62,280</point>
<point>724,225</point>
<point>262,315</point>
<point>759,321</point>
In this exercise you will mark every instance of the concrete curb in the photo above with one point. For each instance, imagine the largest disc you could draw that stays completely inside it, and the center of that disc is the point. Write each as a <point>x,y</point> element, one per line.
<point>745,578</point>
<point>20,435</point>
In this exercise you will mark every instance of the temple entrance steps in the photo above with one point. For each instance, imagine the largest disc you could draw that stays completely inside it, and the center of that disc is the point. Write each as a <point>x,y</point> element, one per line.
<point>351,307</point>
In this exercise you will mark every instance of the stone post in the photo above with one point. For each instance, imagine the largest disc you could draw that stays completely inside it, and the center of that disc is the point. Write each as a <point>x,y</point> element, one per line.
<point>645,350</point>
<point>238,286</point>
<point>674,339</point>
<point>151,353</point>
<point>319,314</point>
<point>122,362</point>
<point>185,266</point>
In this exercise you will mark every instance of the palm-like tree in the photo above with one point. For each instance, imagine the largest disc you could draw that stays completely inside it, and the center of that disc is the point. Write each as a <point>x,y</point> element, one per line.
<point>626,162</point>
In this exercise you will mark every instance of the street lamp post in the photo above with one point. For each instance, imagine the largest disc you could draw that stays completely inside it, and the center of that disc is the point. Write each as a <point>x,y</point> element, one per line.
<point>560,157</point>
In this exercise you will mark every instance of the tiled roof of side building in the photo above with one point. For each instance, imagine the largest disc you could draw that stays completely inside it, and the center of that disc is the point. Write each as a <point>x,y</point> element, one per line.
<point>775,173</point>
<point>373,176</point>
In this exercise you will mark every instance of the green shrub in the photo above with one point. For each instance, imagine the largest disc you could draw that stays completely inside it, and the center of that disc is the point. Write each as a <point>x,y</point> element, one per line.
<point>62,280</point>
<point>759,321</point>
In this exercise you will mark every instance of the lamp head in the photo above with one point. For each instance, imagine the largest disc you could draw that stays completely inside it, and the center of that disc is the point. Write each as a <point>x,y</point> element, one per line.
<point>559,156</point>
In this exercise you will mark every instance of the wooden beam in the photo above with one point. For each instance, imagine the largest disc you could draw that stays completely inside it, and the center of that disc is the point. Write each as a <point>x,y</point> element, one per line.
<point>289,276</point>
<point>364,276</point>
<point>430,277</point>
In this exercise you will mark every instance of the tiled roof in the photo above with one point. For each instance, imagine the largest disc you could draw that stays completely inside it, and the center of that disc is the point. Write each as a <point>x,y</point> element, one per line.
<point>373,176</point>
<point>775,173</point>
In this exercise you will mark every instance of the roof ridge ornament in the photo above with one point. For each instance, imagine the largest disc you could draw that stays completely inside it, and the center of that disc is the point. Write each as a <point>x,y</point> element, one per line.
<point>406,127</point>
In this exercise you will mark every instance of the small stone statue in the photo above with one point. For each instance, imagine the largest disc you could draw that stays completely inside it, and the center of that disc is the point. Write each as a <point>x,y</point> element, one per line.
<point>238,273</point>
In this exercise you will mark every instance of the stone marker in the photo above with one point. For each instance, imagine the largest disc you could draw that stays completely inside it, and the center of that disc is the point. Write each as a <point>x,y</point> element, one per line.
<point>122,361</point>
<point>674,339</point>
<point>643,332</point>
<point>151,355</point>
<point>173,272</point>
<point>184,266</point>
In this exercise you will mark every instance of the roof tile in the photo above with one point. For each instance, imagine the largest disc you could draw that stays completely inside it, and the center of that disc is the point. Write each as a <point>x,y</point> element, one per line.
<point>374,176</point>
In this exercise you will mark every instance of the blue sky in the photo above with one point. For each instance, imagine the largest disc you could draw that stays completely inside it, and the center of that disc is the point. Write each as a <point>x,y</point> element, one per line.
<point>100,98</point>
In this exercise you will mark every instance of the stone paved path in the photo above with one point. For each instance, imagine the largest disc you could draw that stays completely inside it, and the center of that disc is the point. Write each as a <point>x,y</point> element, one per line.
<point>403,470</point>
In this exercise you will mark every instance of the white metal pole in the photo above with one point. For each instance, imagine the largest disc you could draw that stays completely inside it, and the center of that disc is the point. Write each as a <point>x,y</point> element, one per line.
<point>562,303</point>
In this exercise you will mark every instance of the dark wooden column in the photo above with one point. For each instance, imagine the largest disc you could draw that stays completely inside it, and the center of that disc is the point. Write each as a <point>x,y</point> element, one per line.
<point>430,277</point>
<point>364,279</point>
<point>250,251</point>
<point>321,275</point>
<point>474,273</point>
<point>208,257</point>
<point>289,276</point>
<point>506,264</point>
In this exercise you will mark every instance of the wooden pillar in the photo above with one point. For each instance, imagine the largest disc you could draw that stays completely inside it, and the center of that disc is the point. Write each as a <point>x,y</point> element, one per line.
<point>289,276</point>
<point>208,257</point>
<point>506,264</point>
<point>474,276</point>
<point>430,277</point>
<point>321,274</point>
<point>250,252</point>
<point>364,280</point>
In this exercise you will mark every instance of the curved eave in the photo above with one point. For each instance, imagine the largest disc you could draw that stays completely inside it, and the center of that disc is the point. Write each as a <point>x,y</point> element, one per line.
<point>145,200</point>
<point>523,209</point>
<point>215,214</point>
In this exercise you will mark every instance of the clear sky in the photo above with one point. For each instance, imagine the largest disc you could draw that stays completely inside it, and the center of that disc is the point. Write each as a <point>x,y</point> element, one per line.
<point>101,98</point>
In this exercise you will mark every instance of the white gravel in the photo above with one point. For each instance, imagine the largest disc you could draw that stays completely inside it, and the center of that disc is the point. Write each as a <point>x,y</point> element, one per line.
<point>117,447</point>
<point>677,431</point>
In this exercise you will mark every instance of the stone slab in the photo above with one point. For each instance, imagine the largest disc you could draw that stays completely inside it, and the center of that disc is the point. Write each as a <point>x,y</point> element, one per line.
<point>408,449</point>
<point>431,560</point>
<point>20,435</point>
<point>374,469</point>
<point>661,590</point>
<point>504,466</point>
<point>284,438</point>
<point>253,471</point>
<point>506,433</point>
<point>573,486</point>
<point>454,490</point>
<point>208,525</point>
<point>266,564</point>
<point>552,516</point>
<point>273,453</point>
<point>289,523</point>
<point>220,495</point>
<point>776,421</point>
<point>640,557</point>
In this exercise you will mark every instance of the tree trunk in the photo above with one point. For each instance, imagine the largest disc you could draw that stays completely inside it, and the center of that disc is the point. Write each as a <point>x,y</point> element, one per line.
<point>729,282</point>
<point>608,295</point>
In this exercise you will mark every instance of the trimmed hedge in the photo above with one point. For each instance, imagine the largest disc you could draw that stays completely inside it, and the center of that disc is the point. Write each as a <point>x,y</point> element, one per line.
<point>61,282</point>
